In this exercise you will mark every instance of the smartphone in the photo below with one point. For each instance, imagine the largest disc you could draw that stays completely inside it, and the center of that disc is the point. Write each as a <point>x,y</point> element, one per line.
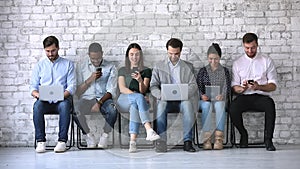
<point>134,70</point>
<point>99,69</point>
<point>250,82</point>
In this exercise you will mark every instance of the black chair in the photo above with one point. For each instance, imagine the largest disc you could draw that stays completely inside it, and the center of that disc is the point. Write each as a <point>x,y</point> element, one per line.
<point>227,135</point>
<point>123,121</point>
<point>80,143</point>
<point>229,126</point>
<point>72,132</point>
<point>179,144</point>
<point>260,144</point>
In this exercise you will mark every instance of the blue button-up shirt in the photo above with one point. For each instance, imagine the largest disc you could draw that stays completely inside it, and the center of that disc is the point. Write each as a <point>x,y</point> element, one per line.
<point>60,72</point>
<point>106,83</point>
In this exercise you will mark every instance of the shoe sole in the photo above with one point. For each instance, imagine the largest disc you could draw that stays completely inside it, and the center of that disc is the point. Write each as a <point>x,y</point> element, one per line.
<point>40,151</point>
<point>133,151</point>
<point>101,146</point>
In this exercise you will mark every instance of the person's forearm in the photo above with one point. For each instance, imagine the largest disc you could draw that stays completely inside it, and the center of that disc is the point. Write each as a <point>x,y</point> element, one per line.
<point>142,87</point>
<point>104,98</point>
<point>238,89</point>
<point>83,87</point>
<point>267,88</point>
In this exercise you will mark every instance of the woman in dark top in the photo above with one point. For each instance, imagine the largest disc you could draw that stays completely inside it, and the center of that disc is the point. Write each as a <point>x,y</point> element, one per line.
<point>133,81</point>
<point>214,86</point>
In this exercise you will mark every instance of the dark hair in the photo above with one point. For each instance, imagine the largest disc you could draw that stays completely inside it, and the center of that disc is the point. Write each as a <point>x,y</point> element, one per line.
<point>95,47</point>
<point>127,61</point>
<point>250,37</point>
<point>174,43</point>
<point>214,48</point>
<point>50,40</point>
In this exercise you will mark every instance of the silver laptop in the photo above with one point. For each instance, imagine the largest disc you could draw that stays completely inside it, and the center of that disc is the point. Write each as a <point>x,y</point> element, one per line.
<point>174,92</point>
<point>212,92</point>
<point>51,93</point>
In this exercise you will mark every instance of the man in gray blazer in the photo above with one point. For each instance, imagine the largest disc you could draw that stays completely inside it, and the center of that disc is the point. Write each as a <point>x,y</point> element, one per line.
<point>174,71</point>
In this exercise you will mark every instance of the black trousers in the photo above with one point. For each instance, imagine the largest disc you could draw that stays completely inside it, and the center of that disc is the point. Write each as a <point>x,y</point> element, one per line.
<point>253,102</point>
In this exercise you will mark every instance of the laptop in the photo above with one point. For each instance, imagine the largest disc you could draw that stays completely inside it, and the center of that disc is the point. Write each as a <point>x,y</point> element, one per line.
<point>51,93</point>
<point>212,91</point>
<point>174,92</point>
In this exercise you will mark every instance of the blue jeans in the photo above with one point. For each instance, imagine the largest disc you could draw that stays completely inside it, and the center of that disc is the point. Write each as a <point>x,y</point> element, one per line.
<point>185,107</point>
<point>138,109</point>
<point>107,109</point>
<point>63,108</point>
<point>207,108</point>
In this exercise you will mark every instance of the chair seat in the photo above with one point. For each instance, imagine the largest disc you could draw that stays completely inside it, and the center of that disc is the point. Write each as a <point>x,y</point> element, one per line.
<point>72,132</point>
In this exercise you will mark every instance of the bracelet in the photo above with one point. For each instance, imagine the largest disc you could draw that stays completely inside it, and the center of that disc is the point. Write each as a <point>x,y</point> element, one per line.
<point>100,102</point>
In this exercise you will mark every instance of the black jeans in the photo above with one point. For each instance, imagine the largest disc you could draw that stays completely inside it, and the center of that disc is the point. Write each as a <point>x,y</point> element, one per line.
<point>253,102</point>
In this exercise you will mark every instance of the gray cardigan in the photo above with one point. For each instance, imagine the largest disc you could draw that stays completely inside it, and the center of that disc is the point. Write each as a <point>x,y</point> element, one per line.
<point>161,75</point>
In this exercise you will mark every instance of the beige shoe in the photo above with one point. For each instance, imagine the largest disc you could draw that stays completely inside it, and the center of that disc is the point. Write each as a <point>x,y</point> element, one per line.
<point>218,145</point>
<point>207,141</point>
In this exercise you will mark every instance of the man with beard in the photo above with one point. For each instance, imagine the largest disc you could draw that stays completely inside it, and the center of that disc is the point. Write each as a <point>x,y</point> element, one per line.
<point>254,78</point>
<point>96,87</point>
<point>174,70</point>
<point>52,70</point>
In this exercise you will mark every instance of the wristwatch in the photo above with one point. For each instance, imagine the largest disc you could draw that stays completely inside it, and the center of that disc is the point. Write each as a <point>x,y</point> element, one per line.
<point>100,102</point>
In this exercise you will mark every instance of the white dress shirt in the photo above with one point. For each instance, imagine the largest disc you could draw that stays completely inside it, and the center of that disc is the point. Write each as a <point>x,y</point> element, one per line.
<point>260,68</point>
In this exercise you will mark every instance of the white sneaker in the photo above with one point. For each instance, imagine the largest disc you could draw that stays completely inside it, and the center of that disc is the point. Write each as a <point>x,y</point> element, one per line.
<point>41,147</point>
<point>103,141</point>
<point>132,147</point>
<point>60,147</point>
<point>90,140</point>
<point>151,135</point>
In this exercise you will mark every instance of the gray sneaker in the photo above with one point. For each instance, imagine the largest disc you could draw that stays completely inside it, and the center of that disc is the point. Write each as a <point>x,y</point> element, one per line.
<point>103,141</point>
<point>132,147</point>
<point>152,135</point>
<point>90,140</point>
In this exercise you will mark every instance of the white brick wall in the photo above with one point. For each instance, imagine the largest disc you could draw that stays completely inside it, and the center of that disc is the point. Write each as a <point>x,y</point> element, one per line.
<point>116,23</point>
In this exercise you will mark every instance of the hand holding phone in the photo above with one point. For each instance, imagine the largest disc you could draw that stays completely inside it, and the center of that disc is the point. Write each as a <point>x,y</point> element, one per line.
<point>250,82</point>
<point>99,69</point>
<point>98,72</point>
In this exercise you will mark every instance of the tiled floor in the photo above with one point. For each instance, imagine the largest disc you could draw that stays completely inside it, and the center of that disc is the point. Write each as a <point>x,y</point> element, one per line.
<point>286,156</point>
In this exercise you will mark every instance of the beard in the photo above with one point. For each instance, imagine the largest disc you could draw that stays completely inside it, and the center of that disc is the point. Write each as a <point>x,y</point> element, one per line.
<point>52,57</point>
<point>251,55</point>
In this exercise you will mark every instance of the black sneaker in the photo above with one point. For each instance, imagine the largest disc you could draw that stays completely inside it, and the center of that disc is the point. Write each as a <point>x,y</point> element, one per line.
<point>244,140</point>
<point>161,146</point>
<point>269,145</point>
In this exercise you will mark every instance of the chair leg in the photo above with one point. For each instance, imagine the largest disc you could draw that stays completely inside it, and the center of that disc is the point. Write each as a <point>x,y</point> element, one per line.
<point>196,137</point>
<point>120,132</point>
